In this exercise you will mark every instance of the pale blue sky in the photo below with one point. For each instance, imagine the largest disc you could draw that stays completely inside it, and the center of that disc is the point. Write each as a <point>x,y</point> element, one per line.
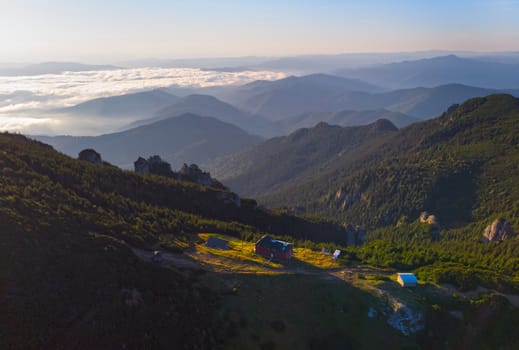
<point>112,30</point>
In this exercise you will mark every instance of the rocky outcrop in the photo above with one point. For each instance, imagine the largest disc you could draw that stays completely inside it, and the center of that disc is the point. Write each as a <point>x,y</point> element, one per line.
<point>355,236</point>
<point>432,220</point>
<point>159,166</point>
<point>194,174</point>
<point>498,231</point>
<point>452,108</point>
<point>141,166</point>
<point>426,218</point>
<point>345,200</point>
<point>153,165</point>
<point>404,319</point>
<point>91,156</point>
<point>230,198</point>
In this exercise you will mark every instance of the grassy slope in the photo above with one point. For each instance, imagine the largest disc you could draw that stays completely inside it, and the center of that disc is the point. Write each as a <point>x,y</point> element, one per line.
<point>68,277</point>
<point>315,302</point>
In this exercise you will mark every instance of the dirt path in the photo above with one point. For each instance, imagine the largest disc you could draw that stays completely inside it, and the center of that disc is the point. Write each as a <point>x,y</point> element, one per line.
<point>208,262</point>
<point>168,259</point>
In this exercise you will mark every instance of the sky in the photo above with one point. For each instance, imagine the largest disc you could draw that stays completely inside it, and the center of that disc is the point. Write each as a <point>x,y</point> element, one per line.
<point>104,31</point>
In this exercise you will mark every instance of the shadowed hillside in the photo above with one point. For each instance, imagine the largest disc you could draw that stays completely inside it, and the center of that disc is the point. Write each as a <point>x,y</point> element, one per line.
<point>460,166</point>
<point>281,161</point>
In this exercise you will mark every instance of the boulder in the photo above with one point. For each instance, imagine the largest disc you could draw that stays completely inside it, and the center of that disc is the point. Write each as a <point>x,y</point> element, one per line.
<point>498,231</point>
<point>195,174</point>
<point>426,218</point>
<point>90,155</point>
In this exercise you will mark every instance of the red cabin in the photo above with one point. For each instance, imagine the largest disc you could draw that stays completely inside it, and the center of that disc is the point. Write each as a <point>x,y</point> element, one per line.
<point>273,249</point>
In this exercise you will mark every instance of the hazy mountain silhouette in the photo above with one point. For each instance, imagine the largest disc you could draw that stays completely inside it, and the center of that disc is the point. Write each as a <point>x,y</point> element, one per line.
<point>294,96</point>
<point>184,139</point>
<point>426,103</point>
<point>291,96</point>
<point>439,71</point>
<point>139,104</point>
<point>331,63</point>
<point>210,106</point>
<point>344,118</point>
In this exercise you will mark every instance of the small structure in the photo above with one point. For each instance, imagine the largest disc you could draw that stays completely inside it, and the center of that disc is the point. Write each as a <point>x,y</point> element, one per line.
<point>217,243</point>
<point>273,249</point>
<point>336,254</point>
<point>407,280</point>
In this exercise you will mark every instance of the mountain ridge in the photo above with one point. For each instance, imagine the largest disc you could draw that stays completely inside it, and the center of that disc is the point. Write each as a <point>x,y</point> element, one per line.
<point>279,161</point>
<point>439,71</point>
<point>184,139</point>
<point>444,166</point>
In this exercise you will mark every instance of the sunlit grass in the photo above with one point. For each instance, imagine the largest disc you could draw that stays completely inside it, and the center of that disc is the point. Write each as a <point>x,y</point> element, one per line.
<point>241,258</point>
<point>316,258</point>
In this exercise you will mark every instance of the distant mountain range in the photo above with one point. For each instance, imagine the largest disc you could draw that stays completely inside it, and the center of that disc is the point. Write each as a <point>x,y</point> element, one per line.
<point>344,118</point>
<point>210,106</point>
<point>51,68</point>
<point>291,96</point>
<point>138,104</point>
<point>268,166</point>
<point>436,71</point>
<point>274,108</point>
<point>294,96</point>
<point>184,139</point>
<point>306,64</point>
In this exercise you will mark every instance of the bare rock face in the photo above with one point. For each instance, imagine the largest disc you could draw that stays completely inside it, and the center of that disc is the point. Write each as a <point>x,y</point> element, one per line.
<point>405,320</point>
<point>195,174</point>
<point>192,173</point>
<point>345,200</point>
<point>90,155</point>
<point>498,231</point>
<point>426,218</point>
<point>154,165</point>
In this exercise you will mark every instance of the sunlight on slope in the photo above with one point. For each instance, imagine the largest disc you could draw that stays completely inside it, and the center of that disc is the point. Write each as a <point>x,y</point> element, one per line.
<point>241,258</point>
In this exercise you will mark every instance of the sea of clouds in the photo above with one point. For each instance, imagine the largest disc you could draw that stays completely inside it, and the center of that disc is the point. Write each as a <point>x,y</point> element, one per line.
<point>27,102</point>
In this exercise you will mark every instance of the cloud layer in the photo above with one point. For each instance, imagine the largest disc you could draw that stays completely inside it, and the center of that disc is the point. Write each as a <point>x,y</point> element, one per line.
<point>26,102</point>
